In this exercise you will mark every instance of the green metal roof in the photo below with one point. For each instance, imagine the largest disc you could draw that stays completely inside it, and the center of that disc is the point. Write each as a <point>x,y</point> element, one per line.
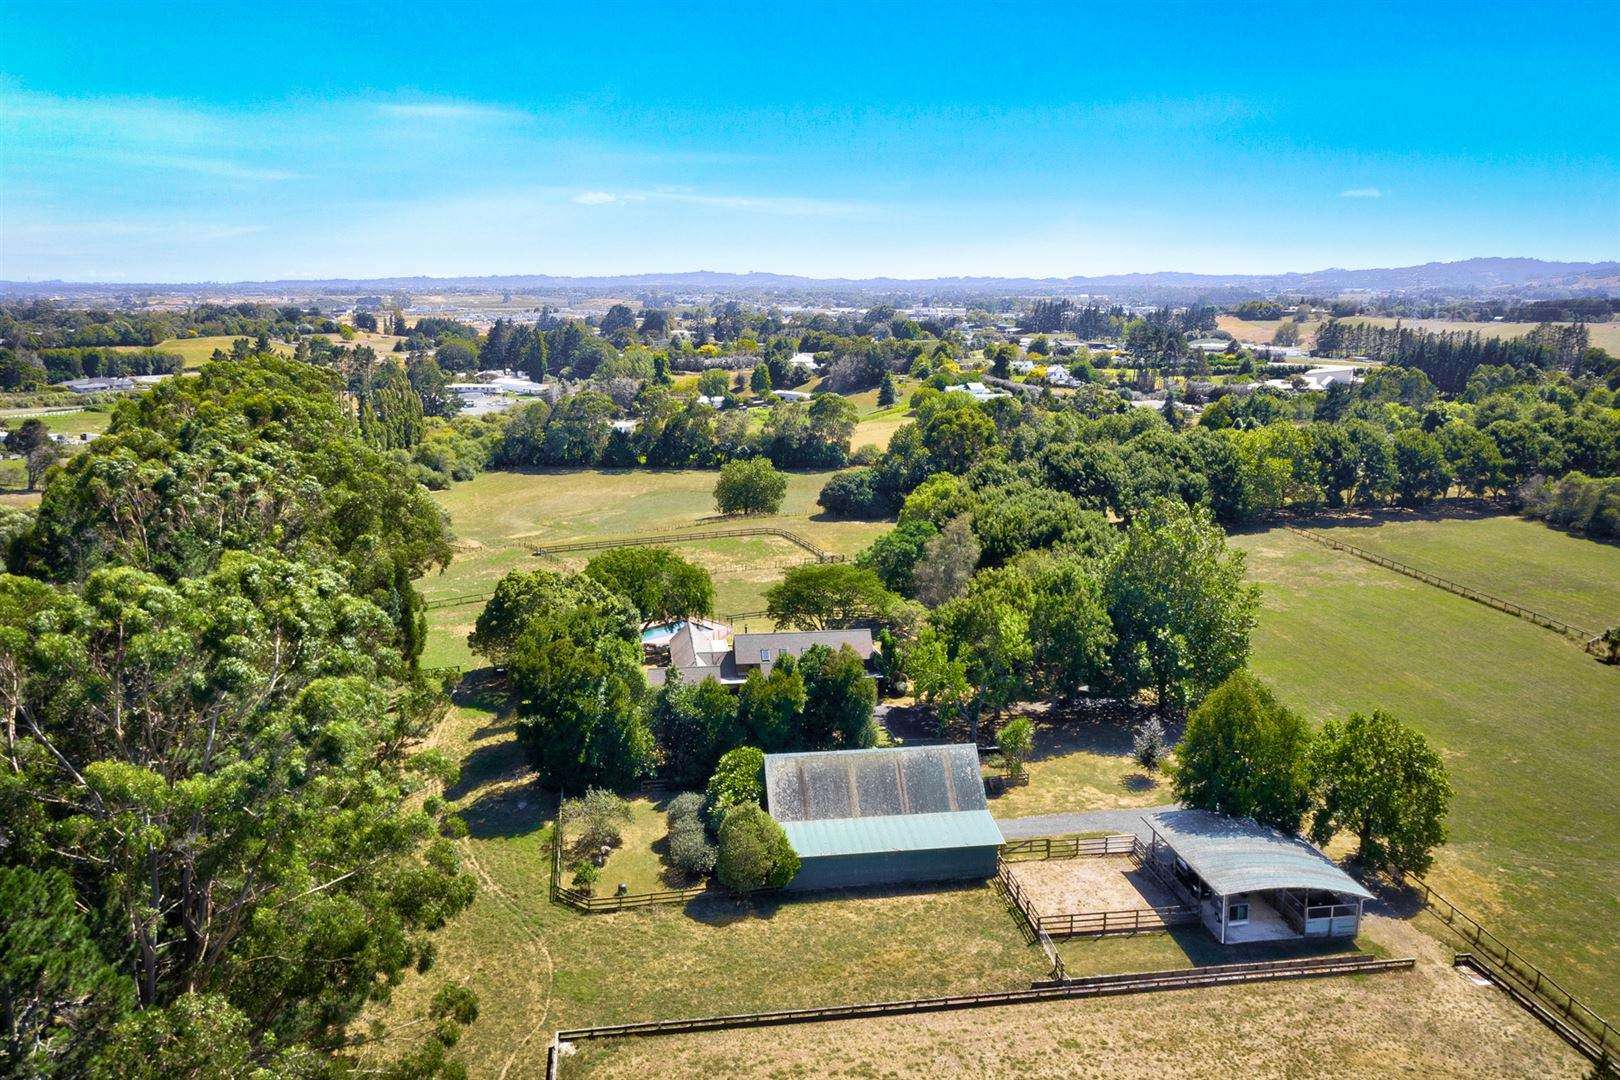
<point>892,833</point>
<point>1235,855</point>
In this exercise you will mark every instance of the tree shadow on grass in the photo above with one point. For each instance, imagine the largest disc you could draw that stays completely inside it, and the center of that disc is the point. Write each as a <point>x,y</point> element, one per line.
<point>1139,781</point>
<point>489,763</point>
<point>484,688</point>
<point>1103,727</point>
<point>511,811</point>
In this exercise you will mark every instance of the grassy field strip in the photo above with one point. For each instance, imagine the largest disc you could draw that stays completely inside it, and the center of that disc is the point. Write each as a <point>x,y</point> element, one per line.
<point>1565,576</point>
<point>1527,726</point>
<point>1579,634</point>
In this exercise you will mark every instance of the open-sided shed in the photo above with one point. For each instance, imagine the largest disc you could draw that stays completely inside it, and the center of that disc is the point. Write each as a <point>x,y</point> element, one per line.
<point>883,816</point>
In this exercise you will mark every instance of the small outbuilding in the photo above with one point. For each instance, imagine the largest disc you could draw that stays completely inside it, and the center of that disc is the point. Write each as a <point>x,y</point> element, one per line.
<point>1249,882</point>
<point>886,816</point>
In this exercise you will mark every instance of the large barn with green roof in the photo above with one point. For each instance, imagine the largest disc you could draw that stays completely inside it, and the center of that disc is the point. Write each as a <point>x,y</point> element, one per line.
<point>886,816</point>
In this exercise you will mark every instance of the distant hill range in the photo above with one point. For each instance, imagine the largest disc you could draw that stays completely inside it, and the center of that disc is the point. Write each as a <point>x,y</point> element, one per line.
<point>1516,277</point>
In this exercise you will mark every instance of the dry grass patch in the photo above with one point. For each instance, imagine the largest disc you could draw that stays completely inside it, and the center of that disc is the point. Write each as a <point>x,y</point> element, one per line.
<point>1081,762</point>
<point>1428,1022</point>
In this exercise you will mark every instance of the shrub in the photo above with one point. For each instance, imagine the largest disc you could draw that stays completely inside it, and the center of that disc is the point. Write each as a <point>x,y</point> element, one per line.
<point>687,806</point>
<point>853,493</point>
<point>1148,744</point>
<point>738,780</point>
<point>691,853</point>
<point>754,851</point>
<point>586,876</point>
<point>453,826</point>
<point>456,1002</point>
<point>1016,739</point>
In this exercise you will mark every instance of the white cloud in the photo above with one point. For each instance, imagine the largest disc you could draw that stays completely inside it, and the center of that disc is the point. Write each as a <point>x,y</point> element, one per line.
<point>448,110</point>
<point>781,206</point>
<point>205,166</point>
<point>1362,193</point>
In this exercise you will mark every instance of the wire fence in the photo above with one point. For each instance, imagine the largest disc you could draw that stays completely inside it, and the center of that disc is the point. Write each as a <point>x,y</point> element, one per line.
<point>1586,637</point>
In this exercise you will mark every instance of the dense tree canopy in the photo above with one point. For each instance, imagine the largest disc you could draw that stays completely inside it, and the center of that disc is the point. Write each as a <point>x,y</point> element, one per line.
<point>213,726</point>
<point>660,584</point>
<point>1245,754</point>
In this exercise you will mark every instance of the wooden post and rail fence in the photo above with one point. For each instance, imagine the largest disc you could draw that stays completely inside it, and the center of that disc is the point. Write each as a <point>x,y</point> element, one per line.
<point>1590,640</point>
<point>1045,990</point>
<point>1539,992</point>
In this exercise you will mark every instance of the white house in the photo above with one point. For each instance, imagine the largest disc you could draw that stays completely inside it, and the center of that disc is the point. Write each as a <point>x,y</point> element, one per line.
<point>981,392</point>
<point>1058,375</point>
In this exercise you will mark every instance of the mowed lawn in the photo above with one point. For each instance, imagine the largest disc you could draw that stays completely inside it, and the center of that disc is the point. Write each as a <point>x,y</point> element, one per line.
<point>1527,723</point>
<point>499,518</point>
<point>1555,573</point>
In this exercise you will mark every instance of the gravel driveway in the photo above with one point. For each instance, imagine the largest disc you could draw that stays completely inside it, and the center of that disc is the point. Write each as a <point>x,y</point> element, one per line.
<point>1125,821</point>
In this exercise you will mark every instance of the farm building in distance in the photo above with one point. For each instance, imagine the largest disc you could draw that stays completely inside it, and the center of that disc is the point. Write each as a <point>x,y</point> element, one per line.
<point>1252,883</point>
<point>887,816</point>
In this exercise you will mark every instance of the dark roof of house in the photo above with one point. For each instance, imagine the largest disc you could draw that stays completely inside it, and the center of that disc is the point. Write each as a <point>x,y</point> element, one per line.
<point>765,649</point>
<point>1235,855</point>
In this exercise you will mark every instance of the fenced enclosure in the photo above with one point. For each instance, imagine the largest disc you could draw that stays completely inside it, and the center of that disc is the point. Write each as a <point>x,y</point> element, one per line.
<point>821,555</point>
<point>1044,927</point>
<point>580,900</point>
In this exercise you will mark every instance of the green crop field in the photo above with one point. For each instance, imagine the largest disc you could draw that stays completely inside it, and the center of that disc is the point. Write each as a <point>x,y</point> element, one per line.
<point>1561,575</point>
<point>500,517</point>
<point>1526,722</point>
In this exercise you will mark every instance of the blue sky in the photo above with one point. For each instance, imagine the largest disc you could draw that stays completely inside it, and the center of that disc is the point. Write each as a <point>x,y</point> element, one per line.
<point>220,141</point>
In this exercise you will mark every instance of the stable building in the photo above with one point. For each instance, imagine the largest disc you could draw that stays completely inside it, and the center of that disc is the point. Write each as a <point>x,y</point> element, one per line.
<point>886,816</point>
<point>1249,882</point>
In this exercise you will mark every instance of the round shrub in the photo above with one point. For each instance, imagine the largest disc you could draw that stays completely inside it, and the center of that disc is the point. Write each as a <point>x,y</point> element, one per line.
<point>691,853</point>
<point>754,851</point>
<point>687,805</point>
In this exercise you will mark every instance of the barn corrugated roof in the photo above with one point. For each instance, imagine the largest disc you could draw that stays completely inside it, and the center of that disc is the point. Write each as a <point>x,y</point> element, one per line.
<point>892,833</point>
<point>904,780</point>
<point>1233,855</point>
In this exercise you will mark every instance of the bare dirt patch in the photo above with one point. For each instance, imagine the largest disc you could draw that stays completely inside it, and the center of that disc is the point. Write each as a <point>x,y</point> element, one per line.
<point>1091,883</point>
